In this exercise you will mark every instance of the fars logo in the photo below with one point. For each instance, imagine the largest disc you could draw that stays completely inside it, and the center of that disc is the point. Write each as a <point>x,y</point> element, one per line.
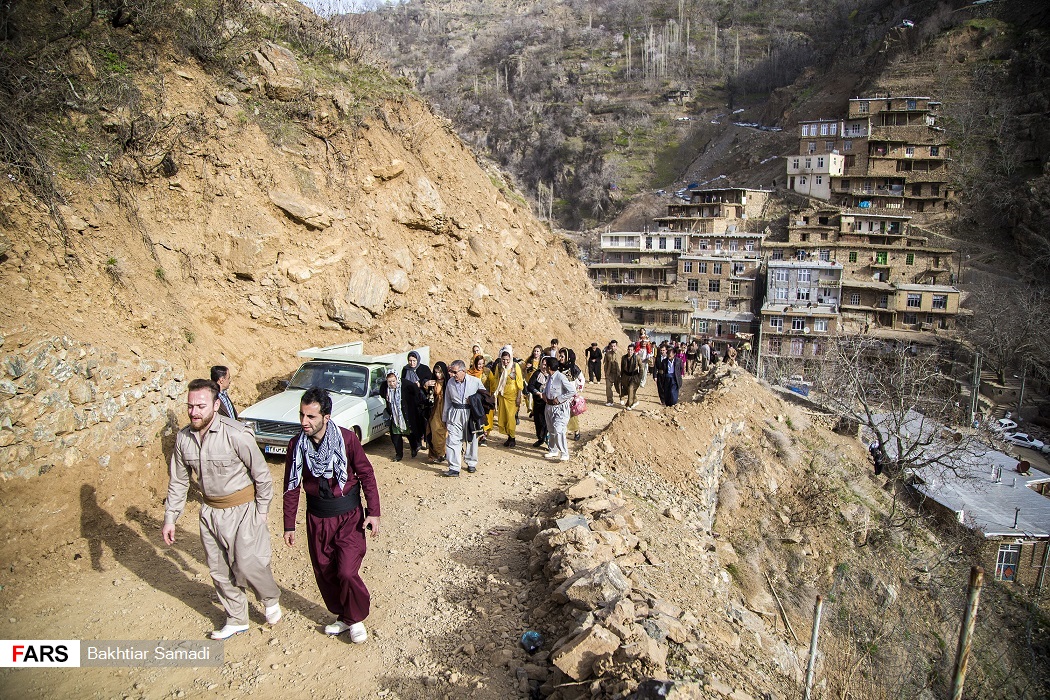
<point>39,653</point>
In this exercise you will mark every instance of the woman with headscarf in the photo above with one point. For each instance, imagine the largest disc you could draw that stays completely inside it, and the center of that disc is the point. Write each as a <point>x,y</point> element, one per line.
<point>567,364</point>
<point>534,388</point>
<point>437,432</point>
<point>488,380</point>
<point>419,374</point>
<point>403,419</point>
<point>532,365</point>
<point>509,385</point>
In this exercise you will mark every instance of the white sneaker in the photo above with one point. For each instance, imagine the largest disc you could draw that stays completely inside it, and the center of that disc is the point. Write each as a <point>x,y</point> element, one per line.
<point>609,403</point>
<point>228,631</point>
<point>633,405</point>
<point>274,614</point>
<point>565,458</point>
<point>358,633</point>
<point>337,627</point>
<point>551,455</point>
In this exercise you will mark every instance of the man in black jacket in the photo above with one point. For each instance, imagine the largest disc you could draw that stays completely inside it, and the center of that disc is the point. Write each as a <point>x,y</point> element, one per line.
<point>594,363</point>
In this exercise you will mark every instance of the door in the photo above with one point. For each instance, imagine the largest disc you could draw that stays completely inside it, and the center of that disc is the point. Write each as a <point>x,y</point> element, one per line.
<point>377,420</point>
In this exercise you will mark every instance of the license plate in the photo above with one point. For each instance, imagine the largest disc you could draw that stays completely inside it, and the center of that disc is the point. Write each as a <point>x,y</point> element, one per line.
<point>275,450</point>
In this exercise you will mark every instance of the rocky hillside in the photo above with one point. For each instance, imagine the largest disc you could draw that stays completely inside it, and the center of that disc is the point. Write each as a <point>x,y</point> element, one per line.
<point>284,203</point>
<point>697,547</point>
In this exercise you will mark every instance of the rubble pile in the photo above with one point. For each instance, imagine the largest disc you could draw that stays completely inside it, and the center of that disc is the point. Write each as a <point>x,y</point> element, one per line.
<point>620,633</point>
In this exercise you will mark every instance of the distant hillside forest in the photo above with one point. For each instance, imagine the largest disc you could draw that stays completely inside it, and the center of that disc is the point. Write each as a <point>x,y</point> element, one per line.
<point>578,99</point>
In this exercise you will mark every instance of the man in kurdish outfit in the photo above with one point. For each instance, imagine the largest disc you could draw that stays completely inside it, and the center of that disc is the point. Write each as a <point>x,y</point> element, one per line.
<point>456,414</point>
<point>237,488</point>
<point>329,464</point>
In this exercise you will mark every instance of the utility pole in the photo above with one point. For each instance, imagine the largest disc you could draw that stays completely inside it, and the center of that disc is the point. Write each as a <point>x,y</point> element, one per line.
<point>962,652</point>
<point>975,387</point>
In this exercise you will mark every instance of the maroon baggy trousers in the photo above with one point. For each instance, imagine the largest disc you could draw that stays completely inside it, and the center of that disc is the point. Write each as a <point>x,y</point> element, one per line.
<point>337,548</point>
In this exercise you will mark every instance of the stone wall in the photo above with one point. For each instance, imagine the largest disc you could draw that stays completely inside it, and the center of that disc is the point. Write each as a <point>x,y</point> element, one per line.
<point>68,404</point>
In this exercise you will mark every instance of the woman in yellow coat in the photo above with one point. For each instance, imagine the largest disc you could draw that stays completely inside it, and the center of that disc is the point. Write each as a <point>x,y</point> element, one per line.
<point>532,365</point>
<point>510,382</point>
<point>488,380</point>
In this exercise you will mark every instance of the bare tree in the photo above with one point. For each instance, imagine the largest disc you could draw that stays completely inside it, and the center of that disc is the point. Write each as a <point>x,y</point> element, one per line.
<point>898,395</point>
<point>1009,324</point>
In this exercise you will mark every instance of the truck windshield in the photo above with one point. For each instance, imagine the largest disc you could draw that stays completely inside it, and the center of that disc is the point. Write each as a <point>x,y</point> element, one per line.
<point>337,377</point>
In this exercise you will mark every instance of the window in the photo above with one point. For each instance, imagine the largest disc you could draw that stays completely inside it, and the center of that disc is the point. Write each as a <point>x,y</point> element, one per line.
<point>824,129</point>
<point>812,147</point>
<point>794,163</point>
<point>940,301</point>
<point>929,319</point>
<point>820,179</point>
<point>712,304</point>
<point>776,323</point>
<point>809,163</point>
<point>800,254</point>
<point>648,242</point>
<point>693,285</point>
<point>863,107</point>
<point>909,151</point>
<point>910,319</point>
<point>853,256</point>
<point>734,328</point>
<point>820,325</point>
<point>734,288</point>
<point>854,299</point>
<point>1006,562</point>
<point>777,255</point>
<point>914,301</point>
<point>798,324</point>
<point>881,257</point>
<point>701,267</point>
<point>935,150</point>
<point>916,190</point>
<point>749,245</point>
<point>909,259</point>
<point>802,294</point>
<point>847,145</point>
<point>805,275</point>
<point>714,286</point>
<point>825,255</point>
<point>820,162</point>
<point>834,128</point>
<point>718,245</point>
<point>796,346</point>
<point>884,301</point>
<point>780,275</point>
<point>732,245</point>
<point>687,266</point>
<point>677,243</point>
<point>829,146</point>
<point>663,243</point>
<point>912,104</point>
<point>781,294</point>
<point>774,346</point>
<point>802,180</point>
<point>716,268</point>
<point>701,326</point>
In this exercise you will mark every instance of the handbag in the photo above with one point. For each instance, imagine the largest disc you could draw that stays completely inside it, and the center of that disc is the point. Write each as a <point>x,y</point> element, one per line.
<point>578,405</point>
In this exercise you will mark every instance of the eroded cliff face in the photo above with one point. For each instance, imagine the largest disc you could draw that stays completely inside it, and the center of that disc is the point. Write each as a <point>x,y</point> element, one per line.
<point>251,248</point>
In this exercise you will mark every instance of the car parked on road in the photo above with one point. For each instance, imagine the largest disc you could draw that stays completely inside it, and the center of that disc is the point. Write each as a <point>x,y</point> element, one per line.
<point>1004,425</point>
<point>1024,440</point>
<point>351,378</point>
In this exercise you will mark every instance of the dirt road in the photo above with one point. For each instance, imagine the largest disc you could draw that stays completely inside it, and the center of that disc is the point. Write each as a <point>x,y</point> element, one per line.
<point>450,591</point>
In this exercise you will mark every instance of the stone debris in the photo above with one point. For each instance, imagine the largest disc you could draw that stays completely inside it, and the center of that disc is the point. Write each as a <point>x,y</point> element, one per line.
<point>590,553</point>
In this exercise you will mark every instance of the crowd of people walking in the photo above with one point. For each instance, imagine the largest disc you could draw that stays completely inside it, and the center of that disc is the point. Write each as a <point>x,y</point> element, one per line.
<point>452,409</point>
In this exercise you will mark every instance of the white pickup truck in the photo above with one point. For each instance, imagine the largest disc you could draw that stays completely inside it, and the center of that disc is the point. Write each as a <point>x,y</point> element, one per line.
<point>351,378</point>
